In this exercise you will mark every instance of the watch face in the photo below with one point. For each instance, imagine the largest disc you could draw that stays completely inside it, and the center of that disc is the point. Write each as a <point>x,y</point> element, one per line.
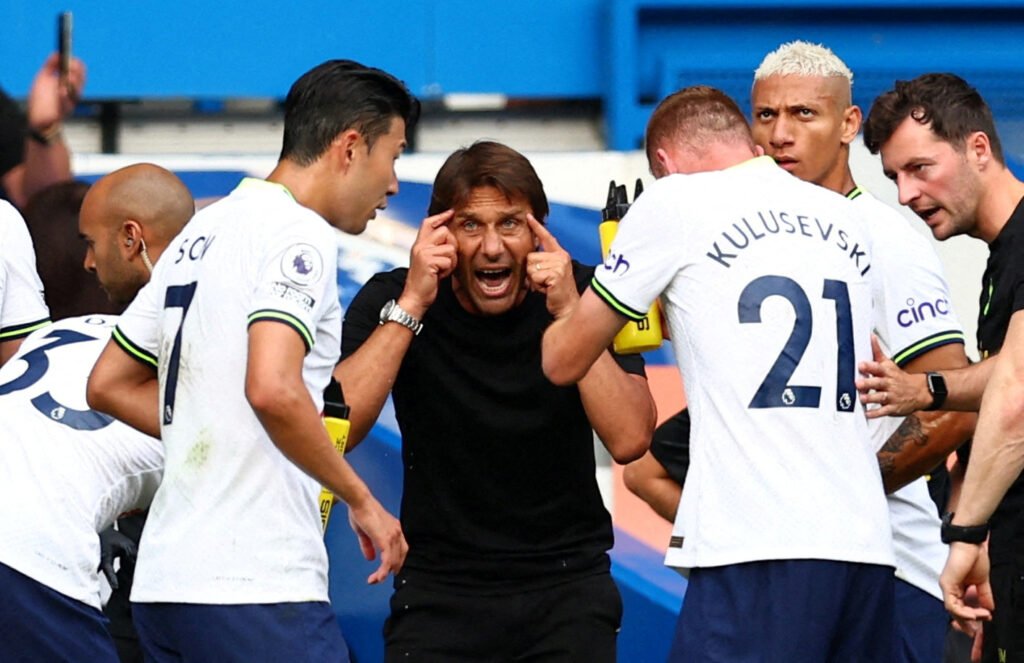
<point>385,312</point>
<point>392,312</point>
<point>936,383</point>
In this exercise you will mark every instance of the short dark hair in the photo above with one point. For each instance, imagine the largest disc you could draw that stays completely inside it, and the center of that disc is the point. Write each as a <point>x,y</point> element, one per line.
<point>946,102</point>
<point>51,215</point>
<point>696,116</point>
<point>339,95</point>
<point>487,163</point>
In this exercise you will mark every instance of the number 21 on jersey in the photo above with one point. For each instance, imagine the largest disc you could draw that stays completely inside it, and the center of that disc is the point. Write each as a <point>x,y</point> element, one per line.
<point>775,390</point>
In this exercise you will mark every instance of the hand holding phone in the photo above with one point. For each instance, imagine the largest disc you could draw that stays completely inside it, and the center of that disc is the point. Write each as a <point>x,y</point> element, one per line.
<point>64,27</point>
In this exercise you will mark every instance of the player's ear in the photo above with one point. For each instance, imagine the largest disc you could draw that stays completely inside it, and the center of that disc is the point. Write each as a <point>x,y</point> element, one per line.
<point>665,164</point>
<point>345,146</point>
<point>131,237</point>
<point>979,149</point>
<point>852,118</point>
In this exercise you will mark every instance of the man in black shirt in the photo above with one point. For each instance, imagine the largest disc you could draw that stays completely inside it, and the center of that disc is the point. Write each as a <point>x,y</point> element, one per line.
<point>938,143</point>
<point>508,537</point>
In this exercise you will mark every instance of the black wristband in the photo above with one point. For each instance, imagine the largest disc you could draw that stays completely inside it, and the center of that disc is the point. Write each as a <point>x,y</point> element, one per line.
<point>47,136</point>
<point>962,533</point>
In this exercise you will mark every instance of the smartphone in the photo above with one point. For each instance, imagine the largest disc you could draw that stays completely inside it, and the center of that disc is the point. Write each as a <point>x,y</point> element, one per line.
<point>64,23</point>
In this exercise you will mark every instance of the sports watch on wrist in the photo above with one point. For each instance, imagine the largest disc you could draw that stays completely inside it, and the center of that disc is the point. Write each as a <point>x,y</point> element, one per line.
<point>965,534</point>
<point>937,388</point>
<point>392,312</point>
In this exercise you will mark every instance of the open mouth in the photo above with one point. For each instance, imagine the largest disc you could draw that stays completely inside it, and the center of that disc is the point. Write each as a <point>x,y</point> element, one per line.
<point>494,282</point>
<point>927,213</point>
<point>788,163</point>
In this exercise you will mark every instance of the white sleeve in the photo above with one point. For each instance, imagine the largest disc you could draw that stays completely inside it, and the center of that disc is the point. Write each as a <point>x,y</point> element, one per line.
<point>22,308</point>
<point>916,313</point>
<point>645,255</point>
<point>138,329</point>
<point>295,273</point>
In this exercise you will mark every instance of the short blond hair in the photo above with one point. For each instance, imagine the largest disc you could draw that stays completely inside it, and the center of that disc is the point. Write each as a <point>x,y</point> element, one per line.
<point>801,58</point>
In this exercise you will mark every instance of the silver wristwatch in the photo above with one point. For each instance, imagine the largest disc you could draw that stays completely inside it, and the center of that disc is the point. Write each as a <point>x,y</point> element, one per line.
<point>392,312</point>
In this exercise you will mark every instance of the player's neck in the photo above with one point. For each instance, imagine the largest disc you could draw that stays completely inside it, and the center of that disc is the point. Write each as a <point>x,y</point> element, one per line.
<point>288,174</point>
<point>300,181</point>
<point>839,179</point>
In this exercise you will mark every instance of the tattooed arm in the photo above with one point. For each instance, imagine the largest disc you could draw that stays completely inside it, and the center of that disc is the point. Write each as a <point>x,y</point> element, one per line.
<point>922,442</point>
<point>925,439</point>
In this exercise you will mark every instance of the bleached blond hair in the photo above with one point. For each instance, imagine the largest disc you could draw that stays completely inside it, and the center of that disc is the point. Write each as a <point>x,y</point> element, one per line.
<point>801,58</point>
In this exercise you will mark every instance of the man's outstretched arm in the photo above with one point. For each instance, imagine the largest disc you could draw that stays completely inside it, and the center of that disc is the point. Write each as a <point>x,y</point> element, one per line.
<point>275,389</point>
<point>576,339</point>
<point>898,393</point>
<point>124,384</point>
<point>997,459</point>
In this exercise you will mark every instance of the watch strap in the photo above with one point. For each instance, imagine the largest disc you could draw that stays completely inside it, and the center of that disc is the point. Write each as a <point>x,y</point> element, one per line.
<point>392,312</point>
<point>962,533</point>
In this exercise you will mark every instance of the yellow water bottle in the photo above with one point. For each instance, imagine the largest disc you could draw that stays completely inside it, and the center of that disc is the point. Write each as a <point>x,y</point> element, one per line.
<point>337,424</point>
<point>637,335</point>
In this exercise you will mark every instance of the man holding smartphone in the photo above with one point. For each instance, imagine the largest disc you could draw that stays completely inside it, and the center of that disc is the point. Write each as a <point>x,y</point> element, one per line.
<point>33,153</point>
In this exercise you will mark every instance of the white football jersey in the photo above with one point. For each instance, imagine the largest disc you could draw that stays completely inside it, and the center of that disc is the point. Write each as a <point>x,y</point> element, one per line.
<point>766,283</point>
<point>234,521</point>
<point>22,308</point>
<point>66,472</point>
<point>911,289</point>
<point>914,314</point>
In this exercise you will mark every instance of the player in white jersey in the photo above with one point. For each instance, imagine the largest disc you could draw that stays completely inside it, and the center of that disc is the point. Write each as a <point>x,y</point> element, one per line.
<point>218,277</point>
<point>127,219</point>
<point>914,318</point>
<point>22,309</point>
<point>226,353</point>
<point>804,117</point>
<point>66,472</point>
<point>766,283</point>
<point>916,328</point>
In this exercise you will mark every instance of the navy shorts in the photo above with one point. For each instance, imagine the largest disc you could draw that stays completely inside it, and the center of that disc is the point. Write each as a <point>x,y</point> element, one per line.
<point>787,610</point>
<point>270,633</point>
<point>921,623</point>
<point>40,624</point>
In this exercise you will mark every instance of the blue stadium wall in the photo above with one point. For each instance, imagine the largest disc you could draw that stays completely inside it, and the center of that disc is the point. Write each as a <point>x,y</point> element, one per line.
<point>625,53</point>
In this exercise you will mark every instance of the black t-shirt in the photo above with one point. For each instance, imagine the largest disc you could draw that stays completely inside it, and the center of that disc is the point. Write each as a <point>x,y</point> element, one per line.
<point>670,445</point>
<point>499,463</point>
<point>1002,295</point>
<point>12,136</point>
